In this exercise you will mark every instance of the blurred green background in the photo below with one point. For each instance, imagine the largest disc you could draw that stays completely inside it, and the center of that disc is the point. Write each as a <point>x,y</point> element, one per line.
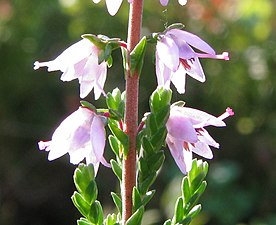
<point>242,178</point>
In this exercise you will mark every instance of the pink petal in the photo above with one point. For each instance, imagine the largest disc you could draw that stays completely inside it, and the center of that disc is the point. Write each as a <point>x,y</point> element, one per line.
<point>203,150</point>
<point>182,157</point>
<point>163,73</point>
<point>179,79</point>
<point>168,52</point>
<point>180,127</point>
<point>98,139</point>
<point>193,40</point>
<point>195,70</point>
<point>164,2</point>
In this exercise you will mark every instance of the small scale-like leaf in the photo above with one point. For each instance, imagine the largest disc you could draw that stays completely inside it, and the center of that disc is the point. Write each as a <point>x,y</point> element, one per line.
<point>117,201</point>
<point>115,145</point>
<point>148,196</point>
<point>117,169</point>
<point>88,105</point>
<point>136,199</point>
<point>96,213</point>
<point>168,222</point>
<point>137,56</point>
<point>178,211</point>
<point>119,134</point>
<point>80,204</point>
<point>186,189</point>
<point>83,221</point>
<point>145,184</point>
<point>194,211</point>
<point>136,217</point>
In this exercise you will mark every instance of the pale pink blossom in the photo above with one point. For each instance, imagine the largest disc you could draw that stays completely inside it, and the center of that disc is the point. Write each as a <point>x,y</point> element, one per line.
<point>112,5</point>
<point>186,134</point>
<point>82,135</point>
<point>165,2</point>
<point>80,61</point>
<point>175,58</point>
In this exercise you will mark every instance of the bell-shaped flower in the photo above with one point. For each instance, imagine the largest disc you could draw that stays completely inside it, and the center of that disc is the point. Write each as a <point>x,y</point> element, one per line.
<point>186,134</point>
<point>175,58</point>
<point>165,2</point>
<point>82,135</point>
<point>80,61</point>
<point>112,5</point>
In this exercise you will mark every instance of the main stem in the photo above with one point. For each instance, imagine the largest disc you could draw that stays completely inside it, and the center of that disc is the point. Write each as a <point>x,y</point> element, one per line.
<point>131,111</point>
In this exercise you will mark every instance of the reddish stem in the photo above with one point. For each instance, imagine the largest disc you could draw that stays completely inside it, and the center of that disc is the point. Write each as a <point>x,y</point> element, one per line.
<point>131,111</point>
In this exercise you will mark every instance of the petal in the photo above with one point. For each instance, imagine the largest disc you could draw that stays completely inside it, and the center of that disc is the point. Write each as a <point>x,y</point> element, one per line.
<point>164,2</point>
<point>182,2</point>
<point>179,79</point>
<point>100,81</point>
<point>92,74</point>
<point>181,128</point>
<point>203,150</point>
<point>182,157</point>
<point>74,71</point>
<point>168,52</point>
<point>96,1</point>
<point>195,70</point>
<point>97,138</point>
<point>199,118</point>
<point>163,73</point>
<point>192,40</point>
<point>113,6</point>
<point>206,138</point>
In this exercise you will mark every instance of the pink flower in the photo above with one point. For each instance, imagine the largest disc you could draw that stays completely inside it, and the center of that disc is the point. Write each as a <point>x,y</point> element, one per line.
<point>175,58</point>
<point>80,61</point>
<point>82,135</point>
<point>165,2</point>
<point>186,134</point>
<point>112,5</point>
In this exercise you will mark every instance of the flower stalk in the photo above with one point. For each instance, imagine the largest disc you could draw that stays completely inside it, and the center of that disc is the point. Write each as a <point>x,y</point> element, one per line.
<point>131,110</point>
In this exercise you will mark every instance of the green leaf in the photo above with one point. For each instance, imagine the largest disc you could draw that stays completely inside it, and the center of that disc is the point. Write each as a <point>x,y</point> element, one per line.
<point>186,189</point>
<point>80,204</point>
<point>147,146</point>
<point>158,138</point>
<point>117,169</point>
<point>124,56</point>
<point>83,221</point>
<point>194,211</point>
<point>137,56</point>
<point>111,219</point>
<point>88,105</point>
<point>175,26</point>
<point>168,222</point>
<point>156,161</point>
<point>91,192</point>
<point>136,217</point>
<point>136,199</point>
<point>95,40</point>
<point>179,210</point>
<point>115,145</point>
<point>83,175</point>
<point>117,201</point>
<point>145,184</point>
<point>148,196</point>
<point>96,213</point>
<point>162,116</point>
<point>119,134</point>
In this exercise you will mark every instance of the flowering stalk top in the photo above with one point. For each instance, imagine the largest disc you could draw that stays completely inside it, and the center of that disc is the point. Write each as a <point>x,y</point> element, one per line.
<point>186,134</point>
<point>82,135</point>
<point>80,61</point>
<point>175,58</point>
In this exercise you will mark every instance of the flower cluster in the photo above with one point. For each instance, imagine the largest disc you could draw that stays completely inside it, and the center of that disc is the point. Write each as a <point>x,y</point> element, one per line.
<point>82,134</point>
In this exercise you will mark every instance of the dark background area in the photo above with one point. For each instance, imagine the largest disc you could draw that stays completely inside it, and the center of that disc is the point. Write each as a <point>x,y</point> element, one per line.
<point>242,176</point>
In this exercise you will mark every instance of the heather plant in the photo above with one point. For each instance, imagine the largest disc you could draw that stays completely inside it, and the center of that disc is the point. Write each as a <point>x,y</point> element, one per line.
<point>138,146</point>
